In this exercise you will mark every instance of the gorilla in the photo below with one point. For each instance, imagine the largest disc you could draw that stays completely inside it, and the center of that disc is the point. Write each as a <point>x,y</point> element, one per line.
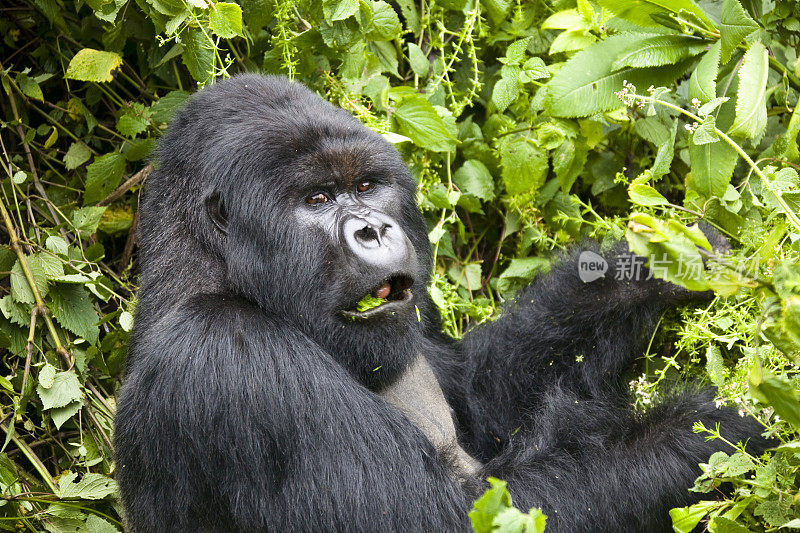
<point>259,395</point>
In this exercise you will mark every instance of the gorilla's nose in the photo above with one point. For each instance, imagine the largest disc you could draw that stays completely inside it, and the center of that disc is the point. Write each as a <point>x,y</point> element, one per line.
<point>377,240</point>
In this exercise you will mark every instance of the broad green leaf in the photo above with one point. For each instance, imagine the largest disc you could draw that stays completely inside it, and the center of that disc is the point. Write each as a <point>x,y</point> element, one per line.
<point>73,309</point>
<point>642,194</point>
<point>487,507</point>
<point>715,367</point>
<point>93,65</point>
<point>720,524</point>
<point>225,20</point>
<point>641,12</point>
<point>751,101</point>
<point>534,69</point>
<point>568,162</point>
<point>385,24</point>
<point>703,82</point>
<point>419,63</point>
<point>420,122</point>
<point>712,168</point>
<point>103,176</point>
<point>57,245</point>
<point>77,154</point>
<point>126,321</point>
<point>59,415</point>
<point>86,219</point>
<point>95,524</point>
<point>568,19</point>
<point>339,9</point>
<point>30,87</point>
<point>571,41</point>
<point>64,389</point>
<point>166,106</point>
<point>507,88</point>
<point>706,132</point>
<point>170,8</point>
<point>474,178</point>
<point>47,376</point>
<point>497,9</point>
<point>198,54</point>
<point>657,50</point>
<point>90,486</point>
<point>20,289</point>
<point>734,25</point>
<point>524,166</point>
<point>778,393</point>
<point>587,83</point>
<point>134,120</point>
<point>515,52</point>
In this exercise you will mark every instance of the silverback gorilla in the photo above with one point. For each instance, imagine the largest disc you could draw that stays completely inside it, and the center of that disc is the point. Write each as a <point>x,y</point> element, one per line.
<point>258,399</point>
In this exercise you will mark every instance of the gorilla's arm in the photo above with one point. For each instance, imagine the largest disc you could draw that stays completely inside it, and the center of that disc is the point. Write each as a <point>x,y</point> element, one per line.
<point>227,412</point>
<point>559,330</point>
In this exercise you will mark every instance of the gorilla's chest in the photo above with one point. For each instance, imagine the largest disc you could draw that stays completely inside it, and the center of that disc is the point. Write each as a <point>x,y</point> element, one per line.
<point>419,397</point>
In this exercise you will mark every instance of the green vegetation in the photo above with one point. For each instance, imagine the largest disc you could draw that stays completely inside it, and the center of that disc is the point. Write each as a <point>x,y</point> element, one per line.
<point>528,125</point>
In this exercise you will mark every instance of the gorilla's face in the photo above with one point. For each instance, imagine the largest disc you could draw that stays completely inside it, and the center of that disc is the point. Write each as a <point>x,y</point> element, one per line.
<point>351,206</point>
<point>314,213</point>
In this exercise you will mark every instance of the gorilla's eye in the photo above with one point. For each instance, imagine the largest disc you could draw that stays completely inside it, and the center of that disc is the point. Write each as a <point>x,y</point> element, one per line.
<point>318,198</point>
<point>364,186</point>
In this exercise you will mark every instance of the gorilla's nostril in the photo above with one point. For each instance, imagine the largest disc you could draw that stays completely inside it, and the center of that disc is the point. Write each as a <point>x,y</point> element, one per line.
<point>367,234</point>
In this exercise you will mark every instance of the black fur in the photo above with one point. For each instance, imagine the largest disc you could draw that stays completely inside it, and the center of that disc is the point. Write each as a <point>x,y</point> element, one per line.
<point>251,404</point>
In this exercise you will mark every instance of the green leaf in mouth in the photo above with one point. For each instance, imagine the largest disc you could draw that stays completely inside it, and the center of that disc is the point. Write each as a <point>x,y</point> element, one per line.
<point>369,302</point>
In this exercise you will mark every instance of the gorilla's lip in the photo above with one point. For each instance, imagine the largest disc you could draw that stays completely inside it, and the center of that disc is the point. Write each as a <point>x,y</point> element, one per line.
<point>399,297</point>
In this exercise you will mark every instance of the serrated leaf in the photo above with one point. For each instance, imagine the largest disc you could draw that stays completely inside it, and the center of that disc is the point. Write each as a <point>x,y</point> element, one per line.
<point>59,415</point>
<point>780,394</point>
<point>709,107</point>
<point>474,178</point>
<point>642,194</point>
<point>20,289</point>
<point>706,132</point>
<point>339,9</point>
<point>734,25</point>
<point>17,313</point>
<point>30,87</point>
<point>225,20</point>
<point>712,168</point>
<point>166,106</point>
<point>751,101</point>
<point>506,89</point>
<point>134,120</point>
<point>419,62</point>
<point>47,376</point>
<point>587,83</point>
<point>95,524</point>
<point>91,486</point>
<point>77,154</point>
<point>385,24</point>
<point>535,69</point>
<point>65,389</point>
<point>420,122</point>
<point>93,65</point>
<point>57,245</point>
<point>73,309</point>
<point>715,367</point>
<point>641,12</point>
<point>86,219</point>
<point>198,54</point>
<point>703,82</point>
<point>524,166</point>
<point>103,176</point>
<point>657,50</point>
<point>515,52</point>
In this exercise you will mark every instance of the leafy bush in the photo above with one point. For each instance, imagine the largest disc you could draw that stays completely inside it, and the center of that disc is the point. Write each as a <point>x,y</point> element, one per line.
<point>528,125</point>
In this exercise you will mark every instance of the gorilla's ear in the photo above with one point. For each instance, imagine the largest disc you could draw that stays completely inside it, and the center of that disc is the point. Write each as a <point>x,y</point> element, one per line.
<point>216,211</point>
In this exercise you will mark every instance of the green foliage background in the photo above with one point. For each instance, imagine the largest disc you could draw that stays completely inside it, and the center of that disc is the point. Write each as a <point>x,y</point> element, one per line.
<point>528,124</point>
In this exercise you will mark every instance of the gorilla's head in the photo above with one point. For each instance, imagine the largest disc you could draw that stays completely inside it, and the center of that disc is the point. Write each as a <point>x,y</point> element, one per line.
<point>291,203</point>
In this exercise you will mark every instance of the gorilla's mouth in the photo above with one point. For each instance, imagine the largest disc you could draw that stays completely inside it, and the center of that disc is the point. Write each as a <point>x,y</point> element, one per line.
<point>387,297</point>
